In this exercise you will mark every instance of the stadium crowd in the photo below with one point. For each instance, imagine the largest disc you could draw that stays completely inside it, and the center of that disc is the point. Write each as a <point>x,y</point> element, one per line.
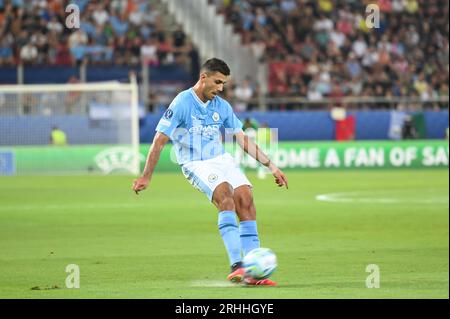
<point>314,49</point>
<point>324,48</point>
<point>111,32</point>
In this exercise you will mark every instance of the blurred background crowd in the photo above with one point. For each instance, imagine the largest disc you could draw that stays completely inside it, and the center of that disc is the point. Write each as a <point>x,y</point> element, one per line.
<point>313,49</point>
<point>324,48</point>
<point>113,32</point>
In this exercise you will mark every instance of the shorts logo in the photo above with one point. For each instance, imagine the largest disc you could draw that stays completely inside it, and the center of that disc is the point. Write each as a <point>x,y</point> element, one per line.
<point>212,178</point>
<point>216,117</point>
<point>168,114</point>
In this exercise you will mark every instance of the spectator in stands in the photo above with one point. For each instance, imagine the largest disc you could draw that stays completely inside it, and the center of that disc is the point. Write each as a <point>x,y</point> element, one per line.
<point>314,93</point>
<point>194,60</point>
<point>29,53</point>
<point>121,51</point>
<point>258,47</point>
<point>408,129</point>
<point>179,38</point>
<point>149,52</point>
<point>165,49</point>
<point>135,51</point>
<point>6,53</point>
<point>119,23</point>
<point>242,94</point>
<point>100,15</point>
<point>55,26</point>
<point>62,55</point>
<point>77,44</point>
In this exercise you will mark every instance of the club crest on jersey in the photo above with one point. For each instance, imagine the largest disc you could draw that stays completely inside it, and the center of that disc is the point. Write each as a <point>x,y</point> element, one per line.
<point>216,117</point>
<point>212,178</point>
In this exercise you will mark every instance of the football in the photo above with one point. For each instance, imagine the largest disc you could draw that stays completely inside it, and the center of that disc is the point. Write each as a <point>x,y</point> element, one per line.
<point>260,263</point>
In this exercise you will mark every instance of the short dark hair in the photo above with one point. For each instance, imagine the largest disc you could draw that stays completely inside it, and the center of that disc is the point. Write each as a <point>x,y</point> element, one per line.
<point>215,65</point>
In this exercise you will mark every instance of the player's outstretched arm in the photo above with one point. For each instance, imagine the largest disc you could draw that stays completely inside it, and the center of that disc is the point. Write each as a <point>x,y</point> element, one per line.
<point>154,153</point>
<point>254,151</point>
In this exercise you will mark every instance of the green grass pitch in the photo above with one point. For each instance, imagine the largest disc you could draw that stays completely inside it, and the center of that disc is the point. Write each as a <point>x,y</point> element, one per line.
<point>165,243</point>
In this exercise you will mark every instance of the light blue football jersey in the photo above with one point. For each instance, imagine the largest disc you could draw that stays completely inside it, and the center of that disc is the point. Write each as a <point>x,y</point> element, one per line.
<point>194,126</point>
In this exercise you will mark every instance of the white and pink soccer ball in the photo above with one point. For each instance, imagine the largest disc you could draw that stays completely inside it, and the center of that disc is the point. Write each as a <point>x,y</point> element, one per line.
<point>260,263</point>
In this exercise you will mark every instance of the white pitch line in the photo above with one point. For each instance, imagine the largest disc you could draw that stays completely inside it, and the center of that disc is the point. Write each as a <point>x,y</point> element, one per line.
<point>358,197</point>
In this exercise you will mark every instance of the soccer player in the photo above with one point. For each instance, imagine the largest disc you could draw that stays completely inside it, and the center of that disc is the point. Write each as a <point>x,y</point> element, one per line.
<point>193,121</point>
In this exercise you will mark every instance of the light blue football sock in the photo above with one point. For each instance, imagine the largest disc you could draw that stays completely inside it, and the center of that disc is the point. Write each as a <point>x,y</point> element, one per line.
<point>229,231</point>
<point>249,236</point>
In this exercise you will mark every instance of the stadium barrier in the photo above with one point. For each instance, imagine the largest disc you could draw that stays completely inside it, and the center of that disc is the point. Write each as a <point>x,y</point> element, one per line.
<point>61,74</point>
<point>97,127</point>
<point>106,159</point>
<point>319,125</point>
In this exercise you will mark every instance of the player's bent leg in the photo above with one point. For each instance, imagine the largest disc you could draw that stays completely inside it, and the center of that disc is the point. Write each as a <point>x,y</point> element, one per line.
<point>243,199</point>
<point>223,197</point>
<point>229,230</point>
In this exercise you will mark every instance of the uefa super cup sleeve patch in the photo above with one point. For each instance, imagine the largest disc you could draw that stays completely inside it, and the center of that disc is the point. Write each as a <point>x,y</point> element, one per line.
<point>168,114</point>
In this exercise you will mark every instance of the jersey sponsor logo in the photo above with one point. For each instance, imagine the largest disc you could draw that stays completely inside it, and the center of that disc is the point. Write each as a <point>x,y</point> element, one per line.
<point>216,117</point>
<point>168,114</point>
<point>212,178</point>
<point>207,131</point>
